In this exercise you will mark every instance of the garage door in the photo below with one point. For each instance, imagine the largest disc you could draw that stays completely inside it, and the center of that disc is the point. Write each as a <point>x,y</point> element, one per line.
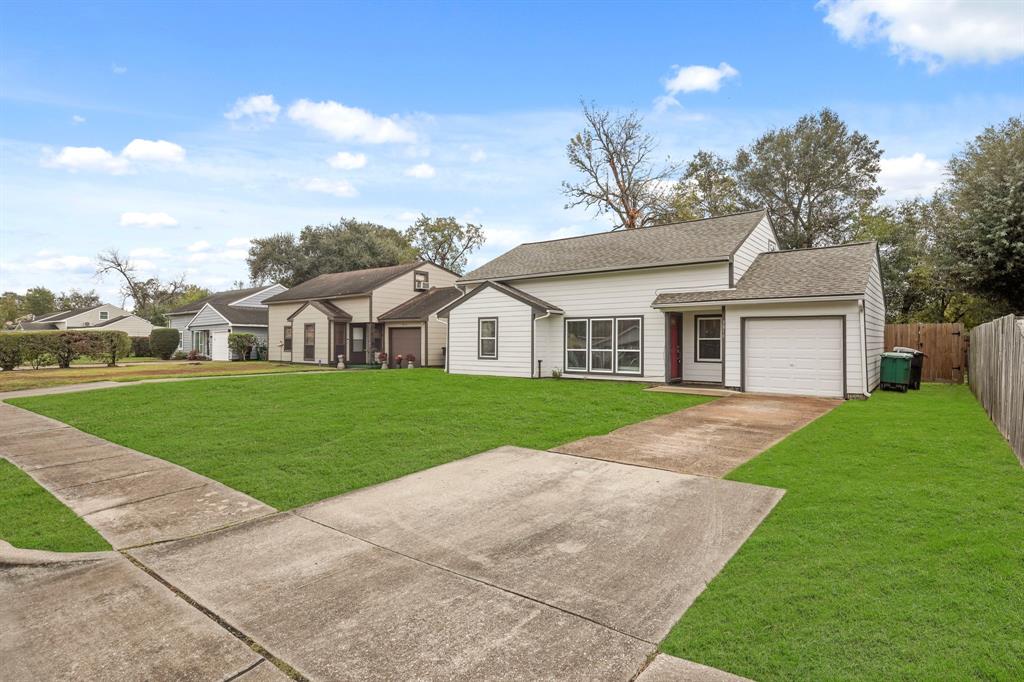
<point>219,346</point>
<point>403,342</point>
<point>798,356</point>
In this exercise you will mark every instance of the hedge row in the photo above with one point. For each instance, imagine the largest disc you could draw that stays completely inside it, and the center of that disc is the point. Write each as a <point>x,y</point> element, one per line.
<point>61,348</point>
<point>141,347</point>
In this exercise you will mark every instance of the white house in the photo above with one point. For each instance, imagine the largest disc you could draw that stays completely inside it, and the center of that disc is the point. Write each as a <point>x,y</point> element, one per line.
<point>205,324</point>
<point>102,316</point>
<point>710,302</point>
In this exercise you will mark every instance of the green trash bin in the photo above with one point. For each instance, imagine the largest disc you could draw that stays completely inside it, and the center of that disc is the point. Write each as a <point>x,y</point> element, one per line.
<point>896,370</point>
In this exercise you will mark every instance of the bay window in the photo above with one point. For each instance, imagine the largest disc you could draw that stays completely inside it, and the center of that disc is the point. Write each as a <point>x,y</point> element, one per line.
<point>604,345</point>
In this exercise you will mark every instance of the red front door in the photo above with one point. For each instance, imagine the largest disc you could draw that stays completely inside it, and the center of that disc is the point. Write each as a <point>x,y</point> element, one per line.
<point>675,348</point>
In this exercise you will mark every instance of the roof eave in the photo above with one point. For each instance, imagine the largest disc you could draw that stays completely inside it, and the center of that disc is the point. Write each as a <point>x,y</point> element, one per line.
<point>589,271</point>
<point>755,301</point>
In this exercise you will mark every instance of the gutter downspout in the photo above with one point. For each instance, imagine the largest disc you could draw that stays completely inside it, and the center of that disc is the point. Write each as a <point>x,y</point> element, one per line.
<point>864,350</point>
<point>546,314</point>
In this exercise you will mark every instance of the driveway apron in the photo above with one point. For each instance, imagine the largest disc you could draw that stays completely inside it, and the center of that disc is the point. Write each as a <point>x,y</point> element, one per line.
<point>710,439</point>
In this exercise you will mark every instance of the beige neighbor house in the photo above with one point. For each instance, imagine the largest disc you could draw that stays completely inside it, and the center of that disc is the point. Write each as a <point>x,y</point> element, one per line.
<point>710,302</point>
<point>361,313</point>
<point>103,316</point>
<point>205,324</point>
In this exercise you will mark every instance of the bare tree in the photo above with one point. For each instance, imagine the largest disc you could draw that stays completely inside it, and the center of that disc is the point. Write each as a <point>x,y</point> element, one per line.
<point>614,155</point>
<point>151,297</point>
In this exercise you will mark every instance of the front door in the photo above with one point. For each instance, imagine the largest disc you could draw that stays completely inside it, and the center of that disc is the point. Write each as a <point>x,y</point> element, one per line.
<point>339,341</point>
<point>309,342</point>
<point>357,344</point>
<point>675,347</point>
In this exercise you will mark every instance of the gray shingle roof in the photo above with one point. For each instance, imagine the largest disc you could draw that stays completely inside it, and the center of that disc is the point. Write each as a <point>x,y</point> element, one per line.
<point>36,326</point>
<point>112,320</point>
<point>694,241</point>
<point>220,297</point>
<point>334,284</point>
<point>332,311</point>
<point>54,317</point>
<point>540,305</point>
<point>423,305</point>
<point>241,316</point>
<point>800,273</point>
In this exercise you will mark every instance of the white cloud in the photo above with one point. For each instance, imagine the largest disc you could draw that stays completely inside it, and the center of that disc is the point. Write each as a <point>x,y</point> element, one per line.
<point>53,263</point>
<point>408,216</point>
<point>201,245</point>
<point>906,177</point>
<point>77,120</point>
<point>235,254</point>
<point>77,159</point>
<point>238,241</point>
<point>422,171</point>
<point>347,161</point>
<point>147,220</point>
<point>339,188</point>
<point>199,257</point>
<point>153,150</point>
<point>349,123</point>
<point>118,70</point>
<point>148,252</point>
<point>694,78</point>
<point>257,108</point>
<point>934,33</point>
<point>477,155</point>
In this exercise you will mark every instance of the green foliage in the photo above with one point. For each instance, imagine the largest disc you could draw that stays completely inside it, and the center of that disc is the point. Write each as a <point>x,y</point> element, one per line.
<point>163,341</point>
<point>32,518</point>
<point>75,299</point>
<point>10,307</point>
<point>986,192</point>
<point>10,351</point>
<point>141,347</point>
<point>241,344</point>
<point>707,189</point>
<point>106,345</point>
<point>445,242</point>
<point>816,179</point>
<point>38,301</point>
<point>347,245</point>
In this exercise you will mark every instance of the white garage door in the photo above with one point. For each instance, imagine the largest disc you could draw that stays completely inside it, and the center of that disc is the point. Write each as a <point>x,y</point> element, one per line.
<point>799,356</point>
<point>219,346</point>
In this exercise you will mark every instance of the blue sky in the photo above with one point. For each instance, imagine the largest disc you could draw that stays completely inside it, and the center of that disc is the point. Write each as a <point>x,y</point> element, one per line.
<point>178,131</point>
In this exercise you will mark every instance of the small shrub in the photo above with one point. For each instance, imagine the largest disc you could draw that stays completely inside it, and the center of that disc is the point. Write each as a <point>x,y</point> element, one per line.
<point>141,347</point>
<point>195,355</point>
<point>241,344</point>
<point>10,351</point>
<point>163,341</point>
<point>179,355</point>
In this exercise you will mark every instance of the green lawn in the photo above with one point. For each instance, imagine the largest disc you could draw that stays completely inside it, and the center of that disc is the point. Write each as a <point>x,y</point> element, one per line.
<point>32,518</point>
<point>897,552</point>
<point>295,439</point>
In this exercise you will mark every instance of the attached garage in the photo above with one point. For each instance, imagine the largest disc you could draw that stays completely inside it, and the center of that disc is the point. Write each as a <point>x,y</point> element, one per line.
<point>405,341</point>
<point>794,355</point>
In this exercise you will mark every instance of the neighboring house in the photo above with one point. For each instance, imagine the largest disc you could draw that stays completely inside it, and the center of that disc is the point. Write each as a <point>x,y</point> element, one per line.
<point>709,302</point>
<point>360,313</point>
<point>103,316</point>
<point>205,324</point>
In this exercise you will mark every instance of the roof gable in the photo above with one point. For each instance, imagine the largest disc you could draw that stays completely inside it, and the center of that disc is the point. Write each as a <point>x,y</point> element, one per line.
<point>224,298</point>
<point>695,241</point>
<point>332,311</point>
<point>798,273</point>
<point>537,304</point>
<point>66,314</point>
<point>339,284</point>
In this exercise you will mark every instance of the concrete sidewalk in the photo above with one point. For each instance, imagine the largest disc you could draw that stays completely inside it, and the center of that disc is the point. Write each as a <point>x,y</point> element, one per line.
<point>710,439</point>
<point>129,497</point>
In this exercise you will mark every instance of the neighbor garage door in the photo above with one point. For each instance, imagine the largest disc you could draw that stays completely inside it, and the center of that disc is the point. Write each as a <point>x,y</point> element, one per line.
<point>799,356</point>
<point>403,342</point>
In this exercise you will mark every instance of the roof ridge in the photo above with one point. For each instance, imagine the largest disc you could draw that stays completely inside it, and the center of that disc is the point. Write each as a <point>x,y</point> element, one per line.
<point>379,267</point>
<point>639,229</point>
<point>819,248</point>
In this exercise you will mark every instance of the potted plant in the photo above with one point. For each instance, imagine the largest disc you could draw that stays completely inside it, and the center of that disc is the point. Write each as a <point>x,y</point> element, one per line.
<point>410,360</point>
<point>383,357</point>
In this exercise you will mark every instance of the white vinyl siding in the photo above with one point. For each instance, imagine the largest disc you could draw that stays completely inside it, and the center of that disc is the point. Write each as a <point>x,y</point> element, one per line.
<point>133,325</point>
<point>208,317</point>
<point>874,325</point>
<point>401,289</point>
<point>180,322</point>
<point>617,294</point>
<point>277,320</point>
<point>848,309</point>
<point>514,328</point>
<point>693,370</point>
<point>760,240</point>
<point>91,318</point>
<point>435,338</point>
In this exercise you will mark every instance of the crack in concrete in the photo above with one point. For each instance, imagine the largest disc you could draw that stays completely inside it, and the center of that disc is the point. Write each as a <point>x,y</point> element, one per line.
<point>112,478</point>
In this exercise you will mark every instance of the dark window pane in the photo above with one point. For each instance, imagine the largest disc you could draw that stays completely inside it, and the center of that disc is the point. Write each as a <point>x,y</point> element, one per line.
<point>629,335</point>
<point>576,359</point>
<point>601,361</point>
<point>576,335</point>
<point>487,328</point>
<point>709,327</point>
<point>709,349</point>
<point>488,347</point>
<point>629,362</point>
<point>601,334</point>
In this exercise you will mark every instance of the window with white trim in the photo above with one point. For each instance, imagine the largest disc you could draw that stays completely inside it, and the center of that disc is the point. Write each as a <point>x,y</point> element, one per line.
<point>487,338</point>
<point>708,331</point>
<point>104,314</point>
<point>604,345</point>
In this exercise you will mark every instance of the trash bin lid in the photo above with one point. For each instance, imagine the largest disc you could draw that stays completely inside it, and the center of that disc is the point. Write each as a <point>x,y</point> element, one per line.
<point>894,354</point>
<point>912,351</point>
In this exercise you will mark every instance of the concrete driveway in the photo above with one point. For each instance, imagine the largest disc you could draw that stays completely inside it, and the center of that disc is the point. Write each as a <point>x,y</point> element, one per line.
<point>707,440</point>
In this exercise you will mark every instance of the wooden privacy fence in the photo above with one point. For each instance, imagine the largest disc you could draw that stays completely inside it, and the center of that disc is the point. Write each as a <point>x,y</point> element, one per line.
<point>945,344</point>
<point>997,375</point>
